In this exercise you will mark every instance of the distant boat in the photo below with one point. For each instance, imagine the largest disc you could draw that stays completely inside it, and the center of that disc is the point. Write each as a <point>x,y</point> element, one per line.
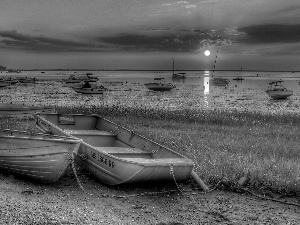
<point>13,71</point>
<point>73,79</point>
<point>160,85</point>
<point>41,157</point>
<point>276,90</point>
<point>10,80</point>
<point>238,78</point>
<point>219,81</point>
<point>177,75</point>
<point>3,84</point>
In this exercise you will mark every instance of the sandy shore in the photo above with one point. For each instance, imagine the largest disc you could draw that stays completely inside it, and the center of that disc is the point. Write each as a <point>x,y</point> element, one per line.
<point>26,202</point>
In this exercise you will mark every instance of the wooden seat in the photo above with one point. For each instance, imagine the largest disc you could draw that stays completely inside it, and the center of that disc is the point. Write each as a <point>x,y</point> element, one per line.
<point>89,133</point>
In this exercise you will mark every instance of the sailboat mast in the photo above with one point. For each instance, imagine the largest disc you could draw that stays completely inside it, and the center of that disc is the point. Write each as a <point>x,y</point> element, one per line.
<point>173,65</point>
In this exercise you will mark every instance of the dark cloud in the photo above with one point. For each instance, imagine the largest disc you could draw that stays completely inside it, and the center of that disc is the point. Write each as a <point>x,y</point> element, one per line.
<point>182,41</point>
<point>270,33</point>
<point>13,39</point>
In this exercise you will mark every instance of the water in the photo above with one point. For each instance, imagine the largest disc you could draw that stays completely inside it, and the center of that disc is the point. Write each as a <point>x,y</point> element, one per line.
<point>201,78</point>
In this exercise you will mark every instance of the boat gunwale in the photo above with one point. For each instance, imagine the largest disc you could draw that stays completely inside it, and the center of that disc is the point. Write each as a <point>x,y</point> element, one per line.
<point>36,136</point>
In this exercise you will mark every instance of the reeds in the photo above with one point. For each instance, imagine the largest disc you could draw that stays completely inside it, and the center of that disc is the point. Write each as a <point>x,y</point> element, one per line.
<point>224,144</point>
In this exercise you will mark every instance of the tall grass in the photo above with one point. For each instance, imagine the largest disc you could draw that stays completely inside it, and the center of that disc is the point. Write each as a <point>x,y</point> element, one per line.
<point>224,144</point>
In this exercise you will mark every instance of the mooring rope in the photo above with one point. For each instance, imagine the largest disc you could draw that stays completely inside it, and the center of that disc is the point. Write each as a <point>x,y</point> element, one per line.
<point>172,172</point>
<point>75,173</point>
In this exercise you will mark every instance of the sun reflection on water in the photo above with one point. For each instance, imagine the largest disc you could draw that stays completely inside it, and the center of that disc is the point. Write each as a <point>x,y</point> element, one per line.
<point>206,88</point>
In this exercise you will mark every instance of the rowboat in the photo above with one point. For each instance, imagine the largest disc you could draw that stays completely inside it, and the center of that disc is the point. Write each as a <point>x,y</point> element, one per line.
<point>159,85</point>
<point>116,155</point>
<point>276,90</point>
<point>40,157</point>
<point>8,109</point>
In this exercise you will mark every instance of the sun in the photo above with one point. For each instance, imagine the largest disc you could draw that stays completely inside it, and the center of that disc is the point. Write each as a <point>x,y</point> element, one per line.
<point>207,52</point>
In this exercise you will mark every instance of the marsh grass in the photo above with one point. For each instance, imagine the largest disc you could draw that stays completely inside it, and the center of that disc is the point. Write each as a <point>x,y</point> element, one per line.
<point>225,145</point>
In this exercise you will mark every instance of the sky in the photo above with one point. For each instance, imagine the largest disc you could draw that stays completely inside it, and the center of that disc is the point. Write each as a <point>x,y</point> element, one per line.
<point>150,34</point>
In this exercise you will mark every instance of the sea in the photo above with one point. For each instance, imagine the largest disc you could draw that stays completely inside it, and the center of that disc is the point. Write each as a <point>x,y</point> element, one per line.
<point>253,80</point>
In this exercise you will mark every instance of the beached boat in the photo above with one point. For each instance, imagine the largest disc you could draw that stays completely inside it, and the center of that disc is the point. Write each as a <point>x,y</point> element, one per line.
<point>219,82</point>
<point>38,156</point>
<point>159,85</point>
<point>238,78</point>
<point>276,90</point>
<point>8,109</point>
<point>116,155</point>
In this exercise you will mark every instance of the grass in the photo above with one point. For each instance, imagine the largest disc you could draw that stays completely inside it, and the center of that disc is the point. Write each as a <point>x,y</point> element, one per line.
<point>225,145</point>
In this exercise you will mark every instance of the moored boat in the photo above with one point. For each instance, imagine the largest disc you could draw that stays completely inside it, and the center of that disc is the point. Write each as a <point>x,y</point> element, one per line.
<point>40,157</point>
<point>276,90</point>
<point>159,85</point>
<point>116,155</point>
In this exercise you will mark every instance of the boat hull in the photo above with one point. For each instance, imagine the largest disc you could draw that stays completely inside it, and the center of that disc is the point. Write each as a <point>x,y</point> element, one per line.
<point>38,158</point>
<point>116,155</point>
<point>279,94</point>
<point>89,90</point>
<point>159,87</point>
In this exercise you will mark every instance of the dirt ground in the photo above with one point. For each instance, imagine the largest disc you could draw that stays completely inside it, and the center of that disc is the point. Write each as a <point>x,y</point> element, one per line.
<point>28,202</point>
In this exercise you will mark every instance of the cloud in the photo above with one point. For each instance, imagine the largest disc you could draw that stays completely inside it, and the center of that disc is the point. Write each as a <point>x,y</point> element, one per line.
<point>15,40</point>
<point>270,33</point>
